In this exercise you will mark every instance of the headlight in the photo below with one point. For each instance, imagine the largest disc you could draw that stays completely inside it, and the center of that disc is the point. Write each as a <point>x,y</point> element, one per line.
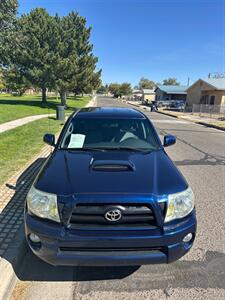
<point>180,205</point>
<point>43,205</point>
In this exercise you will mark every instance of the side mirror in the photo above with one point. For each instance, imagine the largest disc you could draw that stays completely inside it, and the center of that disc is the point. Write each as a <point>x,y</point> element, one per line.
<point>169,140</point>
<point>49,139</point>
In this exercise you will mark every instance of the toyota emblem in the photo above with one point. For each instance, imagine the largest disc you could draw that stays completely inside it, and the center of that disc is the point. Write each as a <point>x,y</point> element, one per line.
<point>113,215</point>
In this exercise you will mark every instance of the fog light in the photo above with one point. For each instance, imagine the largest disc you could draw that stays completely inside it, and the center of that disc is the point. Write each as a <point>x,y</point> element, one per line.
<point>188,238</point>
<point>34,238</point>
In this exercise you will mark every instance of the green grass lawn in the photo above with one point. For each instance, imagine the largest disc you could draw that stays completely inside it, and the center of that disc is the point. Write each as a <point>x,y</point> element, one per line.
<point>15,107</point>
<point>19,145</point>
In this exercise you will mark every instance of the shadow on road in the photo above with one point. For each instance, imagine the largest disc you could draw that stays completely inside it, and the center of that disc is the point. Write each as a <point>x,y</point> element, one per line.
<point>34,269</point>
<point>208,273</point>
<point>208,159</point>
<point>13,195</point>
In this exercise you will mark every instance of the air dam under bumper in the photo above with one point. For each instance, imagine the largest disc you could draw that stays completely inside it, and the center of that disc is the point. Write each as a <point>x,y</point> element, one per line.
<point>60,246</point>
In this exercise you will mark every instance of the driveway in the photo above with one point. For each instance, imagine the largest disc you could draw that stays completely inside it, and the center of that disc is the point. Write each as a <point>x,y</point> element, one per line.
<point>200,155</point>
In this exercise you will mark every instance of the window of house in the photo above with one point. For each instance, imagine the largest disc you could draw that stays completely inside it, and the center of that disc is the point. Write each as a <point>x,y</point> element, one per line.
<point>212,100</point>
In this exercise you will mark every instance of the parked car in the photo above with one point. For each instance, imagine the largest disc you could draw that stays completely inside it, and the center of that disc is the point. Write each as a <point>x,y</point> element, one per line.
<point>109,194</point>
<point>178,105</point>
<point>163,104</point>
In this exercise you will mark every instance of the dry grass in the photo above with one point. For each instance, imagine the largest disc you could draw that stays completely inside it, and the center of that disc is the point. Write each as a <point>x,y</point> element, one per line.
<point>20,291</point>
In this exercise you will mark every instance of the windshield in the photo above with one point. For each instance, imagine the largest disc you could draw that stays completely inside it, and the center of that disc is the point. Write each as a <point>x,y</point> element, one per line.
<point>103,134</point>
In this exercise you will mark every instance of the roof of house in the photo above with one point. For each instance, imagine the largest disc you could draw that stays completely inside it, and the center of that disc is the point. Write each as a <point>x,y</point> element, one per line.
<point>137,92</point>
<point>148,91</point>
<point>173,89</point>
<point>218,83</point>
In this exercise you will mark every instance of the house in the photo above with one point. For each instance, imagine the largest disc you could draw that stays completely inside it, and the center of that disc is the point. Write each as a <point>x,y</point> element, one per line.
<point>207,91</point>
<point>148,95</point>
<point>136,94</point>
<point>171,92</point>
<point>30,91</point>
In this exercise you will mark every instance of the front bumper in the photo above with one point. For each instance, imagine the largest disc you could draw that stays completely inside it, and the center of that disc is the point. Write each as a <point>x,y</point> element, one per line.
<point>62,246</point>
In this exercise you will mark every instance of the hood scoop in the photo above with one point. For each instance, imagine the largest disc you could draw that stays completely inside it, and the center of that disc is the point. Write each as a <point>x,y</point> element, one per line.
<point>111,166</point>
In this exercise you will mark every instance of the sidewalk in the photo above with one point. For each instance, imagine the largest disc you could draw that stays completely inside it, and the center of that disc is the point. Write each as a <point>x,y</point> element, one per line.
<point>19,122</point>
<point>12,197</point>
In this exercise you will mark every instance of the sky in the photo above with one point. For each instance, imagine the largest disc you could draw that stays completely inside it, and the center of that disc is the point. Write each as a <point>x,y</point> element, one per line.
<point>155,39</point>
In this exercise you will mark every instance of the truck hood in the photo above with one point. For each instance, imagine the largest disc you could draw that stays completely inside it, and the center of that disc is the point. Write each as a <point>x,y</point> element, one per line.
<point>71,172</point>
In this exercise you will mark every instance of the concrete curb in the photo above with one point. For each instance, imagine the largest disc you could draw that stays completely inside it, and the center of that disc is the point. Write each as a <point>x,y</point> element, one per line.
<point>92,102</point>
<point>9,265</point>
<point>14,256</point>
<point>210,125</point>
<point>167,114</point>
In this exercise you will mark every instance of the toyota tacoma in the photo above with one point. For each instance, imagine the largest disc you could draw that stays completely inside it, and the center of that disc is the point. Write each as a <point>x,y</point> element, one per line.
<point>109,194</point>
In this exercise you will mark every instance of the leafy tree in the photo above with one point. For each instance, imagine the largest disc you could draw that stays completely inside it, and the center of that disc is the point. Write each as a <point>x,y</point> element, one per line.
<point>2,81</point>
<point>34,58</point>
<point>8,10</point>
<point>53,52</point>
<point>76,64</point>
<point>114,88</point>
<point>15,81</point>
<point>8,42</point>
<point>125,89</point>
<point>170,81</point>
<point>145,83</point>
<point>96,80</point>
<point>103,89</point>
<point>119,90</point>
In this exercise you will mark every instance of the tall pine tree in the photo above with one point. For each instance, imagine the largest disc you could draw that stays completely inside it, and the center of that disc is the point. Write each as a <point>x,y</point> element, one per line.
<point>8,10</point>
<point>75,69</point>
<point>36,58</point>
<point>53,52</point>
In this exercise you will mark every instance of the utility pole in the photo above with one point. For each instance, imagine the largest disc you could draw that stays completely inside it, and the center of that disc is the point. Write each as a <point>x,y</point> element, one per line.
<point>188,81</point>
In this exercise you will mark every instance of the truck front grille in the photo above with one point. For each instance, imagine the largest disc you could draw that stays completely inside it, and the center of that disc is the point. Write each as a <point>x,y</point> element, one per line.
<point>93,215</point>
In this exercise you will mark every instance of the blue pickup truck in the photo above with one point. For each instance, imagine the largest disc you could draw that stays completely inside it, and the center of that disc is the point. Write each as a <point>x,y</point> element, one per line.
<point>109,194</point>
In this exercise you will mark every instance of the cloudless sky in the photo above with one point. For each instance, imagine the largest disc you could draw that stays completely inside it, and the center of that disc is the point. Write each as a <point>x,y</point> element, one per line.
<point>151,38</point>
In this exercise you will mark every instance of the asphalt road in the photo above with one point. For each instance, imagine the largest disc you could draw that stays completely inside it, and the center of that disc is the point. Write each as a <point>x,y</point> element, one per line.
<point>200,155</point>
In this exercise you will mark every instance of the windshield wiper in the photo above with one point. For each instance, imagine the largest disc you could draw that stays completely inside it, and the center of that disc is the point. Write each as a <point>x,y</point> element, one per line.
<point>84,149</point>
<point>127,149</point>
<point>104,149</point>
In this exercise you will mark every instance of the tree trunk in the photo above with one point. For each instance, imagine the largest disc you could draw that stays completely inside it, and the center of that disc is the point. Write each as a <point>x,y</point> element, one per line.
<point>63,97</point>
<point>44,95</point>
